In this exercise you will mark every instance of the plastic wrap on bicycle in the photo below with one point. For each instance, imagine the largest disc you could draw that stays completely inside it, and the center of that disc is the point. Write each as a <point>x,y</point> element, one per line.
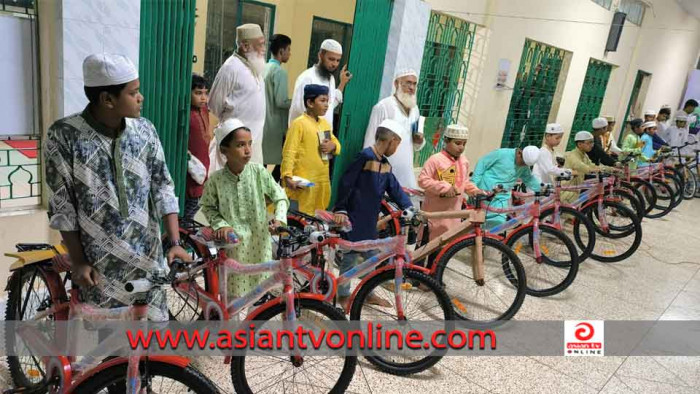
<point>235,266</point>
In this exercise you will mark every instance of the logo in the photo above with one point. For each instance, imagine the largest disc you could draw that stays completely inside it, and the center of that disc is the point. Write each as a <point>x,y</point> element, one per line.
<point>584,338</point>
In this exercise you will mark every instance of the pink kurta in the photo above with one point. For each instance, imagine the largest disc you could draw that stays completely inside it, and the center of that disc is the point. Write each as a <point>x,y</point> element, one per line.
<point>439,174</point>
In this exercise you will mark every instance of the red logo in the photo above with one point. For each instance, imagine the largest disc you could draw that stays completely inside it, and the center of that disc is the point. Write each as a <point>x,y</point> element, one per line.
<point>584,331</point>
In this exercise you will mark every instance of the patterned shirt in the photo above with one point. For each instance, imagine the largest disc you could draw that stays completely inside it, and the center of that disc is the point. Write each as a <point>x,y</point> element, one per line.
<point>113,191</point>
<point>238,201</point>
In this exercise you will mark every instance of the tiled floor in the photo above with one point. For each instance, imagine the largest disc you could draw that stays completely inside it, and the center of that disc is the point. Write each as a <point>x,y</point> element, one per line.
<point>661,281</point>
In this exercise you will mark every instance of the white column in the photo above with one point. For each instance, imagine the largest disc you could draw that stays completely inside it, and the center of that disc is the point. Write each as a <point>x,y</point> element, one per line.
<point>409,28</point>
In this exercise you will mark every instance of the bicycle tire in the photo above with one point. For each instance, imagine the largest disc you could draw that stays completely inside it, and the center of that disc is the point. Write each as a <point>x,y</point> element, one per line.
<point>519,281</point>
<point>642,201</point>
<point>572,264</point>
<point>690,188</point>
<point>637,231</point>
<point>584,246</point>
<point>634,204</point>
<point>177,312</point>
<point>12,309</point>
<point>238,363</point>
<point>409,276</point>
<point>647,190</point>
<point>678,185</point>
<point>664,194</point>
<point>192,379</point>
<point>624,195</point>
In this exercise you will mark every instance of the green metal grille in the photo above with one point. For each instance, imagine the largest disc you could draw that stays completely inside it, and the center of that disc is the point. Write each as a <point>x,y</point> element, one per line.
<point>448,48</point>
<point>633,99</point>
<point>533,94</point>
<point>20,172</point>
<point>592,93</point>
<point>370,33</point>
<point>165,65</point>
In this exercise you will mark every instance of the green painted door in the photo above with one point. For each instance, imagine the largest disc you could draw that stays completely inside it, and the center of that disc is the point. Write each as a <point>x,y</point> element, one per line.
<point>533,94</point>
<point>165,67</point>
<point>638,81</point>
<point>448,48</point>
<point>369,42</point>
<point>592,93</point>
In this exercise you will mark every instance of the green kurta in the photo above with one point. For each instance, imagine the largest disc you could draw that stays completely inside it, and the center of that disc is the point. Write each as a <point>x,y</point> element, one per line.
<point>277,112</point>
<point>238,201</point>
<point>632,144</point>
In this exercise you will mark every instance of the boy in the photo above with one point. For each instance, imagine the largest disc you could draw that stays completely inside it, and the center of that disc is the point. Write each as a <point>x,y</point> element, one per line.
<point>277,102</point>
<point>662,123</point>
<point>597,153</point>
<point>546,167</point>
<point>649,129</point>
<point>445,176</point>
<point>307,149</point>
<point>632,144</point>
<point>110,188</point>
<point>234,201</point>
<point>361,190</point>
<point>198,145</point>
<point>580,163</point>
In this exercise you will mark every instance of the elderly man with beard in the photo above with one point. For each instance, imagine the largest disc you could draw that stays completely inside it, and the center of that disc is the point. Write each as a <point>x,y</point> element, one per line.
<point>402,108</point>
<point>322,74</point>
<point>239,88</point>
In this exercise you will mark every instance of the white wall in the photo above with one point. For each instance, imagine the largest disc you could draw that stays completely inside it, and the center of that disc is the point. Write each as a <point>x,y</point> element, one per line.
<point>581,27</point>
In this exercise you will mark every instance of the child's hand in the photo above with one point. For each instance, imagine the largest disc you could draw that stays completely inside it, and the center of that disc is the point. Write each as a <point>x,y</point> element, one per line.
<point>291,184</point>
<point>452,193</point>
<point>327,146</point>
<point>274,225</point>
<point>340,218</point>
<point>222,234</point>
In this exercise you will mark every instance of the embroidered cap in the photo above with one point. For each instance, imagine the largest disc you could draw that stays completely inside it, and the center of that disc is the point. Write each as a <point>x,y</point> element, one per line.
<point>227,127</point>
<point>106,69</point>
<point>457,132</point>
<point>599,123</point>
<point>332,46</point>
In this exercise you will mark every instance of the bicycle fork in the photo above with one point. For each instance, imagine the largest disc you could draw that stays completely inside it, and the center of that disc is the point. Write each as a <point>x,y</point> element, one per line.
<point>478,258</point>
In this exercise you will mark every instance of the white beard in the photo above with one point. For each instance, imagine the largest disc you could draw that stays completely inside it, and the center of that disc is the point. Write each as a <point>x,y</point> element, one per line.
<point>256,61</point>
<point>407,100</point>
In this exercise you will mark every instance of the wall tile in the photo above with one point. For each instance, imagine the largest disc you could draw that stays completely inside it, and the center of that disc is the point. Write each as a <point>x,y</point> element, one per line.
<point>80,39</point>
<point>122,41</point>
<point>74,99</point>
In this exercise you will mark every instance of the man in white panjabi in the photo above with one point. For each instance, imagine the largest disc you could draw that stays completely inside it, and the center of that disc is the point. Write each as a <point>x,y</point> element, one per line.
<point>238,90</point>
<point>322,74</point>
<point>401,107</point>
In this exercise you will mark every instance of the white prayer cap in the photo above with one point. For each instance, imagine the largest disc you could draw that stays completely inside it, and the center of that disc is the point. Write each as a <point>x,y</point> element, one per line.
<point>554,128</point>
<point>225,128</point>
<point>583,136</point>
<point>648,125</point>
<point>405,73</point>
<point>530,155</point>
<point>249,31</point>
<point>610,119</point>
<point>650,112</point>
<point>393,125</point>
<point>665,106</point>
<point>457,132</point>
<point>105,69</point>
<point>332,46</point>
<point>681,117</point>
<point>599,123</point>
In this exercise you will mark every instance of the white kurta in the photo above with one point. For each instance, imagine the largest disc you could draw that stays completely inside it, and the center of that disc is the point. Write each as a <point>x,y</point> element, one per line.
<point>402,160</point>
<point>312,77</point>
<point>676,136</point>
<point>546,167</point>
<point>238,93</point>
<point>662,130</point>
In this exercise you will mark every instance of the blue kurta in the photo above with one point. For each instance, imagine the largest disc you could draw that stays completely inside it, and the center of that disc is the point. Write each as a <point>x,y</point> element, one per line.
<point>361,191</point>
<point>648,149</point>
<point>499,168</point>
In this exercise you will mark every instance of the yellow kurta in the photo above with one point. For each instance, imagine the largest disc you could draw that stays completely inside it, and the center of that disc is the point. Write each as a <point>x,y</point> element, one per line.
<point>301,156</point>
<point>579,162</point>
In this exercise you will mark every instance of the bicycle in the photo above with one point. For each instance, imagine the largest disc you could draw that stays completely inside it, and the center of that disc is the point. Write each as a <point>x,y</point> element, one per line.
<point>289,307</point>
<point>388,275</point>
<point>690,186</point>
<point>484,280</point>
<point>130,374</point>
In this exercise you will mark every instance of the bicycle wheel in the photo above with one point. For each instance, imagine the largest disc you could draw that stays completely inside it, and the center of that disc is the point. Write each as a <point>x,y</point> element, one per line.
<point>576,226</point>
<point>646,189</point>
<point>629,199</point>
<point>557,267</point>
<point>638,194</point>
<point>28,294</point>
<point>675,181</point>
<point>664,201</point>
<point>162,378</point>
<point>498,297</point>
<point>613,247</point>
<point>268,373</point>
<point>183,306</point>
<point>690,187</point>
<point>426,301</point>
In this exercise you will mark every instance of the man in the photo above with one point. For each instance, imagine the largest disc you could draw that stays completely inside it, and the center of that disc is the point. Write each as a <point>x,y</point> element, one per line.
<point>504,167</point>
<point>239,88</point>
<point>110,188</point>
<point>579,162</point>
<point>608,139</point>
<point>597,153</point>
<point>322,74</point>
<point>277,102</point>
<point>402,108</point>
